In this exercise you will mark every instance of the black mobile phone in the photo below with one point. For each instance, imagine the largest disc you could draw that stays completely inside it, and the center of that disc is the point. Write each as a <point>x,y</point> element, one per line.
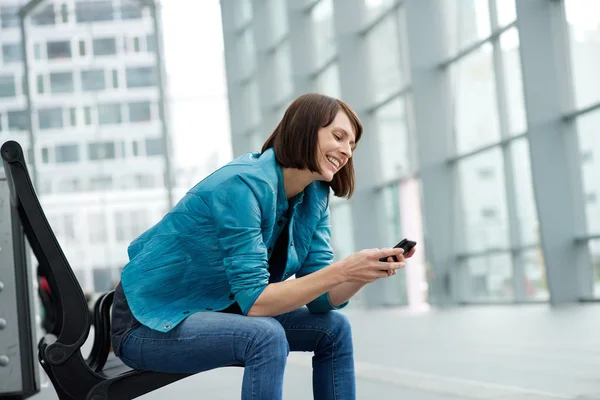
<point>405,244</point>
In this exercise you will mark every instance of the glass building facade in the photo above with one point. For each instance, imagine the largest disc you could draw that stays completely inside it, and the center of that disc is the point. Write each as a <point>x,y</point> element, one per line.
<point>482,134</point>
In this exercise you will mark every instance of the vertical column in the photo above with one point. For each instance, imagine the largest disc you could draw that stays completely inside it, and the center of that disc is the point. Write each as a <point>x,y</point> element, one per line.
<point>367,203</point>
<point>266,83</point>
<point>518,272</point>
<point>553,147</point>
<point>239,141</point>
<point>301,45</point>
<point>432,118</point>
<point>163,108</point>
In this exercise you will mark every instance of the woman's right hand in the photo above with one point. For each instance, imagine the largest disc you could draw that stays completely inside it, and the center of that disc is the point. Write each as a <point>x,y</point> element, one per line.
<point>365,267</point>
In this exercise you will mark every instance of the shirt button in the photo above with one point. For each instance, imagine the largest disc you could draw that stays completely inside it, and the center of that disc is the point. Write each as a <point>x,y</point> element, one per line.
<point>167,326</point>
<point>269,249</point>
<point>231,297</point>
<point>291,244</point>
<point>186,312</point>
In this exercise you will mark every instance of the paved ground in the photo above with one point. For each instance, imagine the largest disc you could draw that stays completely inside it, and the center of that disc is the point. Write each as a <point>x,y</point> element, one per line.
<point>527,352</point>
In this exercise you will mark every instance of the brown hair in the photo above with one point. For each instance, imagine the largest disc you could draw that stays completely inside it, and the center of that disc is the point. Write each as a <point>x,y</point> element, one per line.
<point>295,138</point>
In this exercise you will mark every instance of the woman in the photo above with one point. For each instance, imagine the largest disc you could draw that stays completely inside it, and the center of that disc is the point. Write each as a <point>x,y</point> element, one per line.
<point>208,286</point>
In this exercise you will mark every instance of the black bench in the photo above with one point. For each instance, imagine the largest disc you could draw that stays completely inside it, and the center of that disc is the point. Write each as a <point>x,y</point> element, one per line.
<point>99,376</point>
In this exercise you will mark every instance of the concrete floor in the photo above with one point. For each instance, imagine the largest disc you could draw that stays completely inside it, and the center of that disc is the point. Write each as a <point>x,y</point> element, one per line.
<point>528,352</point>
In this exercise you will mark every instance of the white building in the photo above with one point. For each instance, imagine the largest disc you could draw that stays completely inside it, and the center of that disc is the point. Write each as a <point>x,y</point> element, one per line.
<point>95,117</point>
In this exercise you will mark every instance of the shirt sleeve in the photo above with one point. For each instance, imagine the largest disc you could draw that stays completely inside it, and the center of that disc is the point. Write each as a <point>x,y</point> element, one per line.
<point>237,214</point>
<point>320,255</point>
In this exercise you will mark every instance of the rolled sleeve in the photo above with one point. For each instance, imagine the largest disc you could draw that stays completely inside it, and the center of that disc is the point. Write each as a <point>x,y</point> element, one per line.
<point>320,256</point>
<point>237,214</point>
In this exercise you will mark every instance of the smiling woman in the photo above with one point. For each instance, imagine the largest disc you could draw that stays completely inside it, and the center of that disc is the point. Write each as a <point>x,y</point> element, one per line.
<point>236,238</point>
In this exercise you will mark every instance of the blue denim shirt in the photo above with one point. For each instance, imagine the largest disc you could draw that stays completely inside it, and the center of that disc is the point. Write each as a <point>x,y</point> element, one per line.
<point>212,249</point>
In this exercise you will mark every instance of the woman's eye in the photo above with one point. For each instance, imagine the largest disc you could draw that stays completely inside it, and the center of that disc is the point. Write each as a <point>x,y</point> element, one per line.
<point>337,137</point>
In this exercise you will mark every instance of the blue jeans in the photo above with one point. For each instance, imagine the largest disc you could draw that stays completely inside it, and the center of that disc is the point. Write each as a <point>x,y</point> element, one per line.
<point>209,340</point>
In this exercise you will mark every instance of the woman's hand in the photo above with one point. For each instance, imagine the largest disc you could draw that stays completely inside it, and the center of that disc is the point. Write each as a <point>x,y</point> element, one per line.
<point>365,267</point>
<point>410,253</point>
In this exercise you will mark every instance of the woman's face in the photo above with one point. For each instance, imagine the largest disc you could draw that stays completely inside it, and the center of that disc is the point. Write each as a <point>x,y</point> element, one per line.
<point>335,145</point>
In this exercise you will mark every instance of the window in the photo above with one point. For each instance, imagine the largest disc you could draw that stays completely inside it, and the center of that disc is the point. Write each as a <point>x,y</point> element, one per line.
<point>101,151</point>
<point>150,43</point>
<point>103,281</point>
<point>8,87</point>
<point>17,120</point>
<point>154,147</point>
<point>139,111</point>
<point>69,226</point>
<point>66,154</point>
<point>590,198</point>
<point>40,84</point>
<point>467,21</point>
<point>130,10</point>
<point>43,17</point>
<point>115,79</point>
<point>61,82</point>
<point>102,182</point>
<point>584,28</point>
<point>94,11</point>
<point>328,81</point>
<point>50,118</point>
<point>45,155</point>
<point>135,148</point>
<point>393,138</point>
<point>481,233</point>
<point>140,77</point>
<point>387,72</point>
<point>485,173</point>
<point>82,48</point>
<point>69,185</point>
<point>247,52</point>
<point>109,114</point>
<point>136,44</point>
<point>9,16</point>
<point>489,213</point>
<point>278,19</point>
<point>588,126</point>
<point>73,116</point>
<point>281,65</point>
<point>87,115</point>
<point>93,80</point>
<point>243,13</point>
<point>144,181</point>
<point>104,46</point>
<point>58,50</point>
<point>64,12</point>
<point>474,88</point>
<point>324,33</point>
<point>490,277</point>
<point>11,53</point>
<point>511,65</point>
<point>251,102</point>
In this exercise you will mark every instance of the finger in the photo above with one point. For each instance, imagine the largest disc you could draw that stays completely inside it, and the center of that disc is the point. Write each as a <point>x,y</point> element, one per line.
<point>410,253</point>
<point>388,252</point>
<point>380,274</point>
<point>397,265</point>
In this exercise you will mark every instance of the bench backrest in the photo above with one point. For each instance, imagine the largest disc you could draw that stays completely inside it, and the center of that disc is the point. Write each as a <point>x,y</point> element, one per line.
<point>46,248</point>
